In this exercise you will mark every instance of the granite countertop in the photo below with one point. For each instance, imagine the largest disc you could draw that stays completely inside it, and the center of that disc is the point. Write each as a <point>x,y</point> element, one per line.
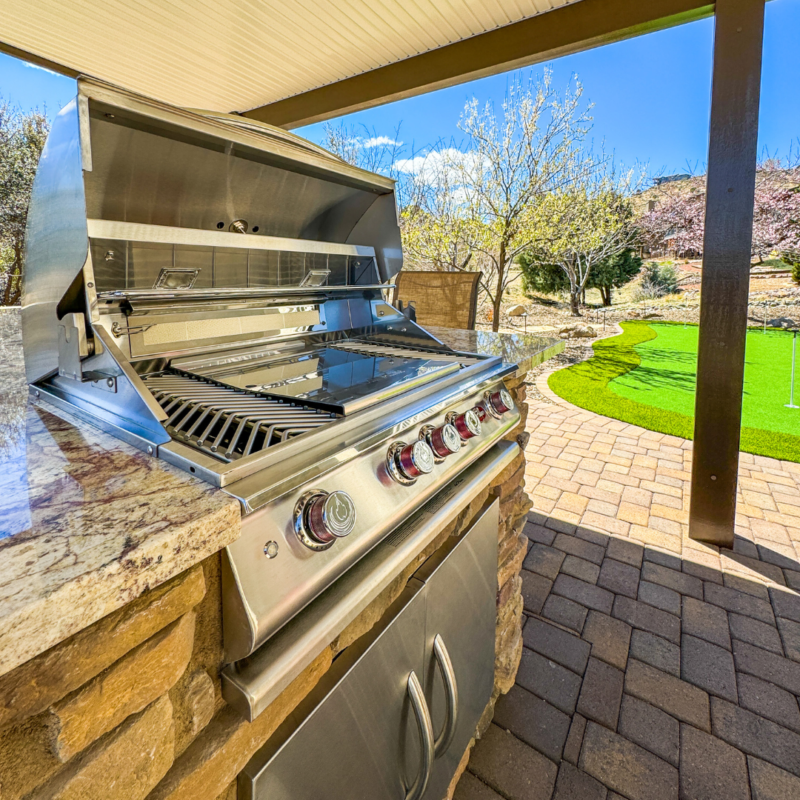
<point>87,523</point>
<point>526,350</point>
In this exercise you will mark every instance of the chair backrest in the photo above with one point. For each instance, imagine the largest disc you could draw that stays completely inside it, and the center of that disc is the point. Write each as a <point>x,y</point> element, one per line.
<point>443,299</point>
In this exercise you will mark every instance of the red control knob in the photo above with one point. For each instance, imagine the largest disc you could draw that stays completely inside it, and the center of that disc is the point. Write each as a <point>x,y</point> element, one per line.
<point>468,424</point>
<point>415,459</point>
<point>330,516</point>
<point>444,440</point>
<point>501,401</point>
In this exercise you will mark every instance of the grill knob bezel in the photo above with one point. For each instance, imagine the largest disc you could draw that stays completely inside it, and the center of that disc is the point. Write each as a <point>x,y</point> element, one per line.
<point>499,402</point>
<point>436,437</point>
<point>315,523</point>
<point>406,462</point>
<point>466,423</point>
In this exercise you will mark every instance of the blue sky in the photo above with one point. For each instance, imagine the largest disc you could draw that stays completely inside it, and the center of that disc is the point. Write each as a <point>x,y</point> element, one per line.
<point>651,94</point>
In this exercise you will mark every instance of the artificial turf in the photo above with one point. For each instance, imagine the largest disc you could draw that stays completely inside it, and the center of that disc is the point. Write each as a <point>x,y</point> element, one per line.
<point>646,377</point>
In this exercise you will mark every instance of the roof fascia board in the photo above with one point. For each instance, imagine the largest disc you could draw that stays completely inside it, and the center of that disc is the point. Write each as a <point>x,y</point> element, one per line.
<point>570,29</point>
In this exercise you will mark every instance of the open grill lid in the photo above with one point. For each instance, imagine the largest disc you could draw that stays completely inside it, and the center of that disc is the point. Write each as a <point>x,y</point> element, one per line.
<point>133,195</point>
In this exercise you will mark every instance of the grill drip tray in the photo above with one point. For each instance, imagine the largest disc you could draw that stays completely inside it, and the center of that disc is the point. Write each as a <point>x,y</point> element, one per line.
<point>229,423</point>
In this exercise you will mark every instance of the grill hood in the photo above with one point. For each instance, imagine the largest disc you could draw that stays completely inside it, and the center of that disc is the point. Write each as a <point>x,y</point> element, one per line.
<point>118,163</point>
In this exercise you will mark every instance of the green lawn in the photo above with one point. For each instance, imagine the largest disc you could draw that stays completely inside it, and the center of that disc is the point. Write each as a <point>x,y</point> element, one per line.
<point>647,377</point>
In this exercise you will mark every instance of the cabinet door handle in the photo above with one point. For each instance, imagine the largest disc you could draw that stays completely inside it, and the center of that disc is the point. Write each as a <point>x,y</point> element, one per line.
<point>445,738</point>
<point>425,726</point>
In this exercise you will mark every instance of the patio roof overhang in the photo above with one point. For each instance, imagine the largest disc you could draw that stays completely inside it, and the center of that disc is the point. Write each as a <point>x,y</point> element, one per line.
<point>292,62</point>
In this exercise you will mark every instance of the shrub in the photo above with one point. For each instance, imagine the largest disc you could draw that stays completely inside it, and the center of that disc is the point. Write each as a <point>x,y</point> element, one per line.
<point>658,280</point>
<point>609,274</point>
<point>793,260</point>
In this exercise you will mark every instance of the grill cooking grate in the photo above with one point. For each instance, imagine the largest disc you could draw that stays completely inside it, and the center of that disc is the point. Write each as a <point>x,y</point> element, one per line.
<point>400,351</point>
<point>228,423</point>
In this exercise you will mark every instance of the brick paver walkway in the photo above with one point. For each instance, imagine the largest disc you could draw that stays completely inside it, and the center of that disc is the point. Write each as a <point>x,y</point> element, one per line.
<point>654,667</point>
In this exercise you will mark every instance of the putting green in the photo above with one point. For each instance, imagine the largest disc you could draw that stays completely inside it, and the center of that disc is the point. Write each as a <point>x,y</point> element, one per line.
<point>647,377</point>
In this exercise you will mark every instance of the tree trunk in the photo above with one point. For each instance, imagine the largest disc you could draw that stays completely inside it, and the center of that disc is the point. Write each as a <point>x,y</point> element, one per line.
<point>13,288</point>
<point>575,303</point>
<point>498,295</point>
<point>605,292</point>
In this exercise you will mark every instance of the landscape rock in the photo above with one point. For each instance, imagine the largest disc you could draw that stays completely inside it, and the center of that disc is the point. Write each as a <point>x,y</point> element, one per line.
<point>517,311</point>
<point>577,331</point>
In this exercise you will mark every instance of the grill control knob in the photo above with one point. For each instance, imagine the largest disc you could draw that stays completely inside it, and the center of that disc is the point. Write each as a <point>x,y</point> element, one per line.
<point>325,517</point>
<point>406,462</point>
<point>500,402</point>
<point>444,440</point>
<point>481,412</point>
<point>467,424</point>
<point>415,459</point>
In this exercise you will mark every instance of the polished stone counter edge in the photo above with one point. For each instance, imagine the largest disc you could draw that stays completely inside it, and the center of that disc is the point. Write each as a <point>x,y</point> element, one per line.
<point>57,579</point>
<point>526,350</point>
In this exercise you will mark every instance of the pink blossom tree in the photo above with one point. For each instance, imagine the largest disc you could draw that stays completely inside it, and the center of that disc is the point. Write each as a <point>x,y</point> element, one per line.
<point>677,220</point>
<point>675,223</point>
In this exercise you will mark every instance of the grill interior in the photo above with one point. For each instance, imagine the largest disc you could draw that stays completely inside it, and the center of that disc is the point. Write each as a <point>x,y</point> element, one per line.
<point>228,423</point>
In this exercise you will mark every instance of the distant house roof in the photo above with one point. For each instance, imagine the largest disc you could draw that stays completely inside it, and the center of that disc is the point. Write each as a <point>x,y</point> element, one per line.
<point>671,178</point>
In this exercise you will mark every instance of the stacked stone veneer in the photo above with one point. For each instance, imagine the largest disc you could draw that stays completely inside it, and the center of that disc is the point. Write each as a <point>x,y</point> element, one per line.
<point>131,707</point>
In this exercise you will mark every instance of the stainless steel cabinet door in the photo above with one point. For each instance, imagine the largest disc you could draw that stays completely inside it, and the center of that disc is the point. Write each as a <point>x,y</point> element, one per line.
<point>461,592</point>
<point>361,733</point>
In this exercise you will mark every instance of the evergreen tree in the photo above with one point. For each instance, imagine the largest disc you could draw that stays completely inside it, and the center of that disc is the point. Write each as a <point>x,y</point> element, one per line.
<point>614,272</point>
<point>541,278</point>
<point>609,274</point>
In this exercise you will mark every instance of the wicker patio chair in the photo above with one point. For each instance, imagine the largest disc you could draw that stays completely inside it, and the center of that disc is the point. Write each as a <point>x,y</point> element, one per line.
<point>443,299</point>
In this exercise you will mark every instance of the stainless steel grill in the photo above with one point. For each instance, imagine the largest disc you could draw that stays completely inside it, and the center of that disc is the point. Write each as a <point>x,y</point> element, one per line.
<point>228,423</point>
<point>235,324</point>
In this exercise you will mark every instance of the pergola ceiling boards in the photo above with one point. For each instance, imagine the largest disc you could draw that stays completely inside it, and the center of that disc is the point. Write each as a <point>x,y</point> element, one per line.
<point>227,55</point>
<point>292,62</point>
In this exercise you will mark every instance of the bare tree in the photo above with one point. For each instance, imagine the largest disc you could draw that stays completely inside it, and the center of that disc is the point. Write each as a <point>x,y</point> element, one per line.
<point>509,165</point>
<point>22,137</point>
<point>434,219</point>
<point>364,147</point>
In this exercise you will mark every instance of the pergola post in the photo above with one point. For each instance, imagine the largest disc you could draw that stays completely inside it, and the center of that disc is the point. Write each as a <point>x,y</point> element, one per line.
<point>732,158</point>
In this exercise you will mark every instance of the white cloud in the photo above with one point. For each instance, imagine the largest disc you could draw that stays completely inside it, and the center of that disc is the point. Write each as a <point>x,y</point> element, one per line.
<point>36,66</point>
<point>438,164</point>
<point>379,141</point>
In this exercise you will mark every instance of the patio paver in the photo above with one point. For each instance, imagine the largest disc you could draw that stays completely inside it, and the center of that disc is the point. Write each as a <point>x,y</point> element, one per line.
<point>653,666</point>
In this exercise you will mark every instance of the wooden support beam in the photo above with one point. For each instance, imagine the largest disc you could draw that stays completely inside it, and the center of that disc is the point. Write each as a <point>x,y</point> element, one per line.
<point>732,156</point>
<point>565,30</point>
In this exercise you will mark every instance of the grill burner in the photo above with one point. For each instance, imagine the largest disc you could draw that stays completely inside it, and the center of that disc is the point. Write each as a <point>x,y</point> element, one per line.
<point>228,423</point>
